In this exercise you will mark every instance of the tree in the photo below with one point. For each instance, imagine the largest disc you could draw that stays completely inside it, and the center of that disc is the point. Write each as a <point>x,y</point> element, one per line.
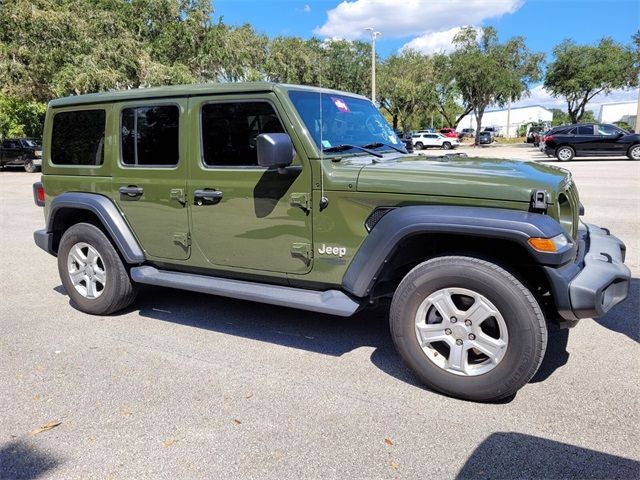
<point>294,60</point>
<point>447,93</point>
<point>404,88</point>
<point>20,118</point>
<point>580,72</point>
<point>487,72</point>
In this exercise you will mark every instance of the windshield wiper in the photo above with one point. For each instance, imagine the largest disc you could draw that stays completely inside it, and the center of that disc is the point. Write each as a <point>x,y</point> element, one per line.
<point>382,144</point>
<point>346,146</point>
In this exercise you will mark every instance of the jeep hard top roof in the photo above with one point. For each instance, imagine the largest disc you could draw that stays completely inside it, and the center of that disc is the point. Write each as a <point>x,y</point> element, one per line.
<point>185,91</point>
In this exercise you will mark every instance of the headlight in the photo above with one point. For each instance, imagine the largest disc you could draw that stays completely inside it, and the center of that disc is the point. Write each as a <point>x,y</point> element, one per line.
<point>38,153</point>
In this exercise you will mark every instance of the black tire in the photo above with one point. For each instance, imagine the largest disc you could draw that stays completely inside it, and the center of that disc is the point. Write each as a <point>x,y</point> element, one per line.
<point>634,152</point>
<point>419,146</point>
<point>29,166</point>
<point>525,324</point>
<point>565,153</point>
<point>446,145</point>
<point>118,291</point>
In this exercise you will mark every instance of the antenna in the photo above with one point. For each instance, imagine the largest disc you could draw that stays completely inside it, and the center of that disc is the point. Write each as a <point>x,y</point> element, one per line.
<point>324,201</point>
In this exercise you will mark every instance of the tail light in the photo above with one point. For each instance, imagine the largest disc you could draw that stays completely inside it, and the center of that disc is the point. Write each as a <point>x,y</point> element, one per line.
<point>38,194</point>
<point>548,138</point>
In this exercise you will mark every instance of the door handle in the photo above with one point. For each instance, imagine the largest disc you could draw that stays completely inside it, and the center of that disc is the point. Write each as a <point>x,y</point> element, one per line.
<point>207,197</point>
<point>131,192</point>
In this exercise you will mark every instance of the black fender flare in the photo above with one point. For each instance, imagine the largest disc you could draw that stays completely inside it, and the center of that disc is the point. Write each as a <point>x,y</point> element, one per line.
<point>107,213</point>
<point>400,223</point>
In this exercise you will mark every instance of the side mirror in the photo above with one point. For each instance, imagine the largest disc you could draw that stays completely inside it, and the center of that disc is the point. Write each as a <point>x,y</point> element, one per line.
<point>275,150</point>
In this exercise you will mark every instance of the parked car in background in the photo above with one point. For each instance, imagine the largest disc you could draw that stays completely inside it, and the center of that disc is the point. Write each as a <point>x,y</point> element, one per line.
<point>467,132</point>
<point>584,140</point>
<point>407,140</point>
<point>21,152</point>
<point>427,140</point>
<point>533,135</point>
<point>449,132</point>
<point>493,131</point>
<point>485,138</point>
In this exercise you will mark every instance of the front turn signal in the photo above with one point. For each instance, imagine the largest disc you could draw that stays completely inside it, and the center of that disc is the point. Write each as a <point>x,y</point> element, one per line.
<point>549,245</point>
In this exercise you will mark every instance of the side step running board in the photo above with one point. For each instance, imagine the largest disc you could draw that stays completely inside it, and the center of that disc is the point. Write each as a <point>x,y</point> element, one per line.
<point>333,302</point>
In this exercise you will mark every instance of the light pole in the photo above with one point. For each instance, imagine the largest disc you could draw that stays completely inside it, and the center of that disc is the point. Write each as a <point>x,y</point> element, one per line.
<point>374,35</point>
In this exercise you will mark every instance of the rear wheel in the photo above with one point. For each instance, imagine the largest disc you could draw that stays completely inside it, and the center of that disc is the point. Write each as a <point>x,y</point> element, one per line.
<point>30,166</point>
<point>468,328</point>
<point>634,152</point>
<point>92,272</point>
<point>419,146</point>
<point>564,154</point>
<point>446,145</point>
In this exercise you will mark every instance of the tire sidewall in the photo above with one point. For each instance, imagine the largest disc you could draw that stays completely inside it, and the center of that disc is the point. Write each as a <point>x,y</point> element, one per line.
<point>96,238</point>
<point>29,166</point>
<point>517,312</point>
<point>633,147</point>
<point>446,145</point>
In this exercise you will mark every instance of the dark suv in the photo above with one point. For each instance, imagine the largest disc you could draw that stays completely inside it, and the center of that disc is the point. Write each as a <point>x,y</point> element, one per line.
<point>24,152</point>
<point>591,140</point>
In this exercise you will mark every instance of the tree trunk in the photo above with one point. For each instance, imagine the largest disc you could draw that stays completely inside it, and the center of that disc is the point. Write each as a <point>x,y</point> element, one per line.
<point>395,122</point>
<point>479,113</point>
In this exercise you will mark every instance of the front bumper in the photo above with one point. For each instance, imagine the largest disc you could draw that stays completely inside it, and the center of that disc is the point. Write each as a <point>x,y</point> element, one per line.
<point>596,281</point>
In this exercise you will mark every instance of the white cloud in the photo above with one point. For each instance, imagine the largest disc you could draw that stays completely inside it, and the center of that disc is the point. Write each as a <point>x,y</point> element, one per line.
<point>307,8</point>
<point>540,96</point>
<point>435,42</point>
<point>403,18</point>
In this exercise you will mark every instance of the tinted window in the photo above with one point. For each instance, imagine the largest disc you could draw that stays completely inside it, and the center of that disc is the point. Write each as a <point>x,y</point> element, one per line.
<point>585,130</point>
<point>78,138</point>
<point>229,131</point>
<point>608,130</point>
<point>150,136</point>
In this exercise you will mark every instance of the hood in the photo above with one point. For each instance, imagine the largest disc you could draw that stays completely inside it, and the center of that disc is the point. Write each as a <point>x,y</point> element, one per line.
<point>483,178</point>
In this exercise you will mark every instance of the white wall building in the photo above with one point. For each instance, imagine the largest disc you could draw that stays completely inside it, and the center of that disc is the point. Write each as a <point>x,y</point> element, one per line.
<point>498,119</point>
<point>618,112</point>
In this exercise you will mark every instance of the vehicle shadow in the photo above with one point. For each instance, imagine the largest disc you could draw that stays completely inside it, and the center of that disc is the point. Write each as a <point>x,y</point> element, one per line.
<point>20,459</point>
<point>313,332</point>
<point>625,317</point>
<point>506,455</point>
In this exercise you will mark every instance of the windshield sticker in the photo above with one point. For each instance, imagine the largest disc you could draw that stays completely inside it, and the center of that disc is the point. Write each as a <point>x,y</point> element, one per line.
<point>341,104</point>
<point>326,143</point>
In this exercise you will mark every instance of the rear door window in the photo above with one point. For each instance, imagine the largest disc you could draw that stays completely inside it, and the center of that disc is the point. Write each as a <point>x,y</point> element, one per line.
<point>150,136</point>
<point>78,137</point>
<point>585,130</point>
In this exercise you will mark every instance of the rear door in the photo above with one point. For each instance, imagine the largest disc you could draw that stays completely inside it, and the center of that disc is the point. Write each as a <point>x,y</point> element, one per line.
<point>584,141</point>
<point>150,176</point>
<point>10,151</point>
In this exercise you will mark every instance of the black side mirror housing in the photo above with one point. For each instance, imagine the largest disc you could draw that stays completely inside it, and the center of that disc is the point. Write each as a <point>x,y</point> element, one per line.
<point>275,150</point>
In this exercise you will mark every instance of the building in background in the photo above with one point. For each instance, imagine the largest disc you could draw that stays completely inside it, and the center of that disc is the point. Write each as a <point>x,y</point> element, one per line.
<point>518,116</point>
<point>619,112</point>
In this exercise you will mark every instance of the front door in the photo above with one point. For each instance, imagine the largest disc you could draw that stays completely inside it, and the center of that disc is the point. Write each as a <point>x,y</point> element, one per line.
<point>611,140</point>
<point>243,215</point>
<point>150,176</point>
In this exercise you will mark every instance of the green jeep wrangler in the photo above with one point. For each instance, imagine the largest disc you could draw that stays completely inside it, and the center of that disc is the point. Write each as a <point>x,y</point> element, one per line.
<point>306,198</point>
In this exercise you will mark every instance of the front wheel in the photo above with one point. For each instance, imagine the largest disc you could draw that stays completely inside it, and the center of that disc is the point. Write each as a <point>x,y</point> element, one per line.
<point>92,272</point>
<point>634,152</point>
<point>446,145</point>
<point>468,328</point>
<point>564,154</point>
<point>419,146</point>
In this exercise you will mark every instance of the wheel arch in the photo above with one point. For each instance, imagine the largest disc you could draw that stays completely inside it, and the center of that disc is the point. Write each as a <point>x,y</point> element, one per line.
<point>407,236</point>
<point>71,208</point>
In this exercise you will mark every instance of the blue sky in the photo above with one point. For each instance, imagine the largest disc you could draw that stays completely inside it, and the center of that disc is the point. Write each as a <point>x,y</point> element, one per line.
<point>430,25</point>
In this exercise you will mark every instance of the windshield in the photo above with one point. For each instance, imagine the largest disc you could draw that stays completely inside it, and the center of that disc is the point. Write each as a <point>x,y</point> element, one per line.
<point>345,121</point>
<point>29,143</point>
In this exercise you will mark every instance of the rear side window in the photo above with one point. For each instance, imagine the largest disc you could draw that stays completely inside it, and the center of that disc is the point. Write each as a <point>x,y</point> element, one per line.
<point>150,136</point>
<point>585,130</point>
<point>78,138</point>
<point>229,131</point>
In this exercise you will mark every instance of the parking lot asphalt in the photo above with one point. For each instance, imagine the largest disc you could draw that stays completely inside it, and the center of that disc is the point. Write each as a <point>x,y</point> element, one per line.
<point>184,385</point>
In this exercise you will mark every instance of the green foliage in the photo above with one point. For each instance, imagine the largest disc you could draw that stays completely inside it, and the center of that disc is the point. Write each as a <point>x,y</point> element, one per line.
<point>488,72</point>
<point>447,92</point>
<point>20,118</point>
<point>580,72</point>
<point>560,117</point>
<point>405,86</point>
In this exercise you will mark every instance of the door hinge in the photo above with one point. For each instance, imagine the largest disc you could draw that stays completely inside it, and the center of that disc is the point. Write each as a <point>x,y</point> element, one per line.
<point>182,238</point>
<point>303,250</point>
<point>178,195</point>
<point>300,200</point>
